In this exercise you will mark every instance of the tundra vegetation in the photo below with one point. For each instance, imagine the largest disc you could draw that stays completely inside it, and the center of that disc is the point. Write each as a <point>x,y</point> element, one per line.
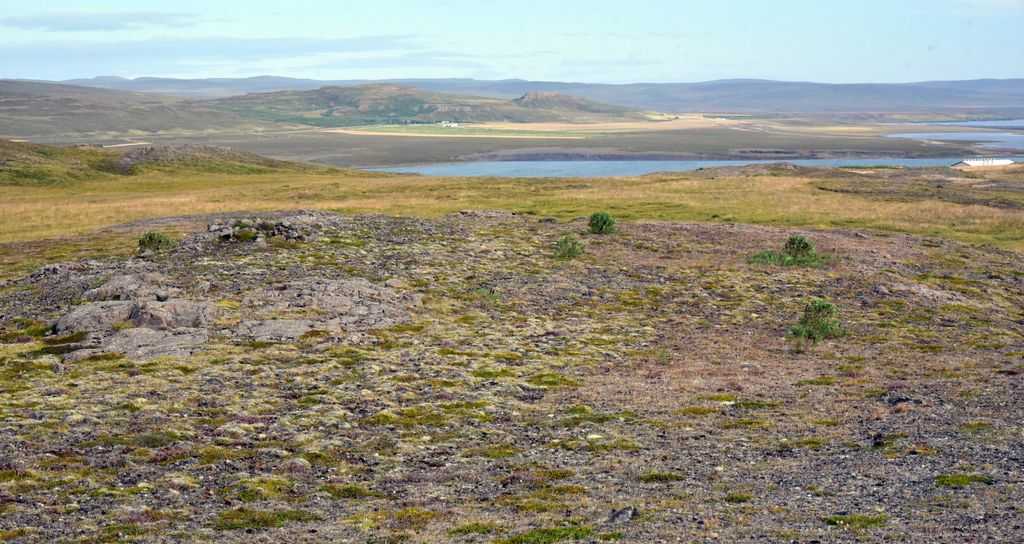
<point>569,247</point>
<point>798,251</point>
<point>819,321</point>
<point>601,223</point>
<point>434,375</point>
<point>155,241</point>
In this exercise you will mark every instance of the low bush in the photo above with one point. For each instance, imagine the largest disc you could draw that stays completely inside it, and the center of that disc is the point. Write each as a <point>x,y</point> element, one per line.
<point>602,223</point>
<point>569,247</point>
<point>247,234</point>
<point>820,321</point>
<point>155,241</point>
<point>798,251</point>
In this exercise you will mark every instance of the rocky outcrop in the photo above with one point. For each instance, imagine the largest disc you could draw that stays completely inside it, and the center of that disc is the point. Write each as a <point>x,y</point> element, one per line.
<point>274,330</point>
<point>335,307</point>
<point>147,308</point>
<point>132,286</point>
<point>95,317</point>
<point>174,314</point>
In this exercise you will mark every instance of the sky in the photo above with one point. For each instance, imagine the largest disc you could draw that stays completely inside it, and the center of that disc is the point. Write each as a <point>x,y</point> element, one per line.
<point>837,41</point>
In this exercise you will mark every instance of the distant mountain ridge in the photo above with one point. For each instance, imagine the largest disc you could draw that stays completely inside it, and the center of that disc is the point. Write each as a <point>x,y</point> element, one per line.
<point>35,109</point>
<point>378,103</point>
<point>982,97</point>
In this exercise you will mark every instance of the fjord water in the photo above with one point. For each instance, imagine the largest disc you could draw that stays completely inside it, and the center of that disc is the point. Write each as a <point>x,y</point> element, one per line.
<point>993,140</point>
<point>1001,123</point>
<point>591,169</point>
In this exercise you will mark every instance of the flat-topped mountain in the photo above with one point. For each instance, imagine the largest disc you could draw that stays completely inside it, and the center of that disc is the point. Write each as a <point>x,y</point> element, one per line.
<point>559,101</point>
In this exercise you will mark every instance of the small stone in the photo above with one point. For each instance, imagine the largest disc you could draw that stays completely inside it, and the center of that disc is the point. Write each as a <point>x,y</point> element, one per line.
<point>162,296</point>
<point>297,465</point>
<point>622,515</point>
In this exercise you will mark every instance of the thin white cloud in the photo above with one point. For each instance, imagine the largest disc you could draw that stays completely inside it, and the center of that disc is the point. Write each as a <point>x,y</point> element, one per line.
<point>64,59</point>
<point>98,21</point>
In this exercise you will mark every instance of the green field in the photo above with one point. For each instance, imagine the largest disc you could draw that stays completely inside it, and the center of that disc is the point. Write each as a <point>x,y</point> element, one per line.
<point>66,192</point>
<point>469,130</point>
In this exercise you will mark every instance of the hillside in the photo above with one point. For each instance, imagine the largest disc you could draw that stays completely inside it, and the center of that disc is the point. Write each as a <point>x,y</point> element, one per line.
<point>23,164</point>
<point>985,97</point>
<point>391,103</point>
<point>39,110</point>
<point>319,377</point>
<point>33,110</point>
<point>562,102</point>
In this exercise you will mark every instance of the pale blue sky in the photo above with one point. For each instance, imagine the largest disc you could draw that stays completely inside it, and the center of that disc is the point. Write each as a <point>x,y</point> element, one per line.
<point>577,40</point>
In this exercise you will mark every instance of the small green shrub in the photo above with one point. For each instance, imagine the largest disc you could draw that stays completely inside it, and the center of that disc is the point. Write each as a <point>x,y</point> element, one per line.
<point>737,498</point>
<point>569,247</point>
<point>348,491</point>
<point>476,528</point>
<point>856,521</point>
<point>486,297</point>
<point>798,251</point>
<point>602,223</point>
<point>820,321</point>
<point>246,234</point>
<point>660,477</point>
<point>244,518</point>
<point>155,241</point>
<point>961,480</point>
<point>550,535</point>
<point>797,246</point>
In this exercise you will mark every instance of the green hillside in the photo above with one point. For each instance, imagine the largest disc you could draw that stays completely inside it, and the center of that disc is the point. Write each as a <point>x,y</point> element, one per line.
<point>34,110</point>
<point>401,104</point>
<point>54,112</point>
<point>24,164</point>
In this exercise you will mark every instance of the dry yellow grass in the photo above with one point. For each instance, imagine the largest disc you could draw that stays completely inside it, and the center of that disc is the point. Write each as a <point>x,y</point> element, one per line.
<point>33,213</point>
<point>370,132</point>
<point>687,122</point>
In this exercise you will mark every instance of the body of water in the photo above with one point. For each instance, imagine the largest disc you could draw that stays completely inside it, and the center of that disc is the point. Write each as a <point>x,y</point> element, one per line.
<point>591,169</point>
<point>995,140</point>
<point>1002,123</point>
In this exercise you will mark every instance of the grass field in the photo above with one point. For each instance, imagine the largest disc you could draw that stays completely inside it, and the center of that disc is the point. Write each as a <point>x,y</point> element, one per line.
<point>32,213</point>
<point>438,131</point>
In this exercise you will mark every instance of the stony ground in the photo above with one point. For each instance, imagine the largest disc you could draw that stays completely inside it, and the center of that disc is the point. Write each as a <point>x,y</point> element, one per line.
<point>323,378</point>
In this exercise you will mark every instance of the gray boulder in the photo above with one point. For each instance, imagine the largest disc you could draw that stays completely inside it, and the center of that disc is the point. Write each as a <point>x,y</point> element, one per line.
<point>135,286</point>
<point>145,343</point>
<point>276,329</point>
<point>95,317</point>
<point>174,314</point>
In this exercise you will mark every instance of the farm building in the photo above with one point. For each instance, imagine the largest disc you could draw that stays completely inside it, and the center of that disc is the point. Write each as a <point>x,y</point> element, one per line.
<point>984,162</point>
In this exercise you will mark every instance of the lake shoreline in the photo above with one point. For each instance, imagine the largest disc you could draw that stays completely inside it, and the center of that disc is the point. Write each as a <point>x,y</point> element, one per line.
<point>626,168</point>
<point>589,155</point>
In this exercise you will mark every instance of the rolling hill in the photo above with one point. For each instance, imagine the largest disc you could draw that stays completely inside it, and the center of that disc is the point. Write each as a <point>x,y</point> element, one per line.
<point>34,110</point>
<point>389,103</point>
<point>983,97</point>
<point>26,164</point>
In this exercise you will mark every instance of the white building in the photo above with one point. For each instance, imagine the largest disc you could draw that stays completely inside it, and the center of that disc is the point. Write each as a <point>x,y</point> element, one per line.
<point>984,162</point>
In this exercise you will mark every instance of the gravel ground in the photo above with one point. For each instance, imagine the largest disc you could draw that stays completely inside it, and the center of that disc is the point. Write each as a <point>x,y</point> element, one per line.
<point>377,379</point>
